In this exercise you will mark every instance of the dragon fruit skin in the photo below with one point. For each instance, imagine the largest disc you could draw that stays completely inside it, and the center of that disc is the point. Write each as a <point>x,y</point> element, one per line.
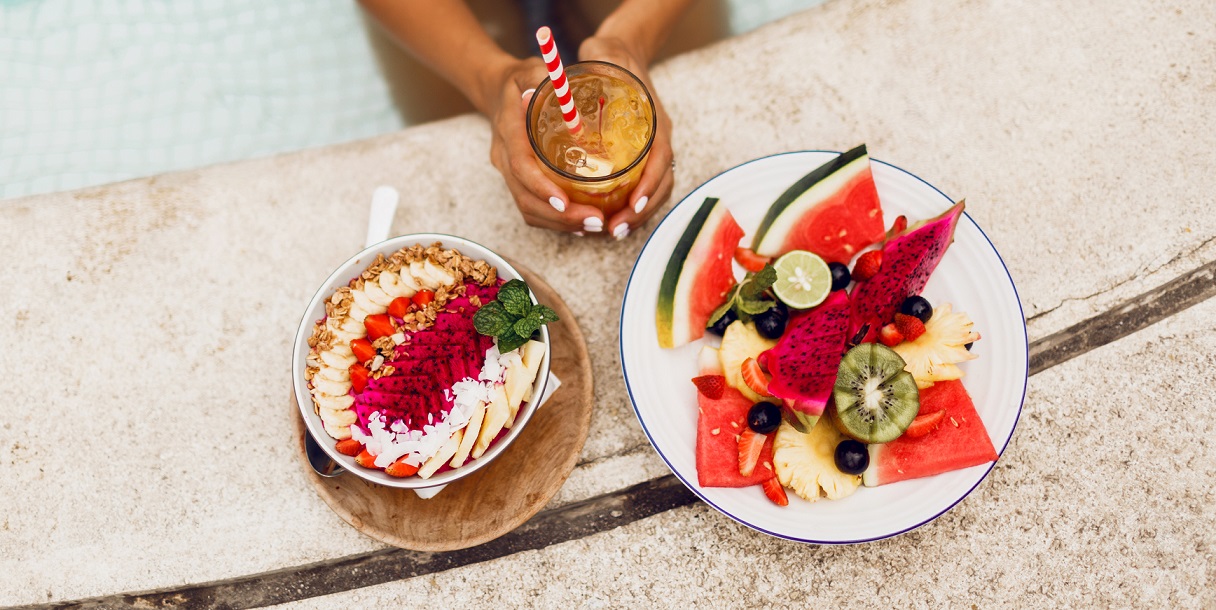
<point>804,363</point>
<point>907,262</point>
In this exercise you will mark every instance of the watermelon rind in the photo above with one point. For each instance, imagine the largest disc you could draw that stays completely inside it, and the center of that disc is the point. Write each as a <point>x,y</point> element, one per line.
<point>804,195</point>
<point>675,289</point>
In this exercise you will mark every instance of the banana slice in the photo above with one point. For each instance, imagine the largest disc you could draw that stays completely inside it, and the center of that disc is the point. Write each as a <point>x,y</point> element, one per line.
<point>470,437</point>
<point>354,326</point>
<point>337,432</point>
<point>516,386</point>
<point>333,388</point>
<point>335,327</point>
<point>376,295</point>
<point>333,403</point>
<point>390,283</point>
<point>333,374</point>
<point>337,360</point>
<point>342,349</point>
<point>418,270</point>
<point>445,453</point>
<point>437,273</point>
<point>407,280</point>
<point>357,312</point>
<point>337,417</point>
<point>496,415</point>
<point>365,302</point>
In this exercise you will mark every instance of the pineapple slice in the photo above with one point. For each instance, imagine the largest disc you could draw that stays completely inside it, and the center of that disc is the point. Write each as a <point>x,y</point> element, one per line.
<point>806,463</point>
<point>933,355</point>
<point>740,342</point>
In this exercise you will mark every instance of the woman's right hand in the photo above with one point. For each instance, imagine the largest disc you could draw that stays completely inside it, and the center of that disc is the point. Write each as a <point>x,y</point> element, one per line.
<point>507,89</point>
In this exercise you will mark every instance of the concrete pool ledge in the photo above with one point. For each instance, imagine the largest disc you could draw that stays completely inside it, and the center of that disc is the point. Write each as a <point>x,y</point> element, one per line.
<point>156,315</point>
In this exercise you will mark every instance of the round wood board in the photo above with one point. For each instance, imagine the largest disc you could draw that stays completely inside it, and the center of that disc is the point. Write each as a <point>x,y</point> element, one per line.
<point>499,497</point>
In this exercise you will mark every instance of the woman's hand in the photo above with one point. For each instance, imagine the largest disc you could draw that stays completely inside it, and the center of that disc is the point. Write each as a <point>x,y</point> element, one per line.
<point>507,91</point>
<point>658,177</point>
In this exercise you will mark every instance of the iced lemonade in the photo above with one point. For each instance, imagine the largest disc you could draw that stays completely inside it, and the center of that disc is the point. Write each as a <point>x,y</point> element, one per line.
<point>601,164</point>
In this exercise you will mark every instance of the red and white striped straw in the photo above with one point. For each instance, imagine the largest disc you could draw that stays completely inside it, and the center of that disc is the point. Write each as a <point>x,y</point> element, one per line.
<point>557,74</point>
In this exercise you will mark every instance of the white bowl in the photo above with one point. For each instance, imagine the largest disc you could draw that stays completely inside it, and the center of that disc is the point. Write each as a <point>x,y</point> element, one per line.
<point>316,310</point>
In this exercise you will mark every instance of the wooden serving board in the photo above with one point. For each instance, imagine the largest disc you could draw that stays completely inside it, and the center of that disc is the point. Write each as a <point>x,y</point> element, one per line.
<point>500,496</point>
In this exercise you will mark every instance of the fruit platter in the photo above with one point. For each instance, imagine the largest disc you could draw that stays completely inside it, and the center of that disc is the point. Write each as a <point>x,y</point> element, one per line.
<point>419,362</point>
<point>843,354</point>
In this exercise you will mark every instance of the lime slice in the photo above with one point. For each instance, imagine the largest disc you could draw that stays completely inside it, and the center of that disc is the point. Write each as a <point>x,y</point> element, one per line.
<point>803,279</point>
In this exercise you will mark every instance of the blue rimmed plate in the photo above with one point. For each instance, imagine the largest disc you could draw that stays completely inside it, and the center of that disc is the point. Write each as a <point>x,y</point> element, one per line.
<point>971,276</point>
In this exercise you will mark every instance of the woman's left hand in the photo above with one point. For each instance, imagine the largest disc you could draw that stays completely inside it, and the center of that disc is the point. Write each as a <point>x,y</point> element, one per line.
<point>658,176</point>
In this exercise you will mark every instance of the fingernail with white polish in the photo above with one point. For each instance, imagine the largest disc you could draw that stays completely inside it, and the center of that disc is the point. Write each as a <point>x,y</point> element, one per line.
<point>593,225</point>
<point>641,204</point>
<point>580,233</point>
<point>557,204</point>
<point>621,231</point>
<point>527,94</point>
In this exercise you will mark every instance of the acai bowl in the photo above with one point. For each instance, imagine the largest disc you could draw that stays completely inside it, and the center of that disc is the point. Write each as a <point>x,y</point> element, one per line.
<point>392,373</point>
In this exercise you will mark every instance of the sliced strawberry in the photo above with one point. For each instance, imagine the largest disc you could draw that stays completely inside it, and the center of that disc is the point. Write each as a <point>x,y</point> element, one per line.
<point>349,446</point>
<point>363,349</point>
<point>750,260</point>
<point>775,492</point>
<point>423,297</point>
<point>867,266</point>
<point>751,445</point>
<point>399,307</point>
<point>378,326</point>
<point>924,424</point>
<point>366,459</point>
<point>909,326</point>
<point>890,336</point>
<point>711,386</point>
<point>754,377</point>
<point>400,469</point>
<point>358,377</point>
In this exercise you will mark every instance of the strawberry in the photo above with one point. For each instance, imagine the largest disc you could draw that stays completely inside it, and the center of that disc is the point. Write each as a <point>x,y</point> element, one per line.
<point>400,469</point>
<point>750,260</point>
<point>378,326</point>
<point>349,447</point>
<point>422,298</point>
<point>754,377</point>
<point>358,377</point>
<point>867,266</point>
<point>924,424</point>
<point>363,349</point>
<point>890,336</point>
<point>775,492</point>
<point>366,459</point>
<point>712,386</point>
<point>399,307</point>
<point>750,446</point>
<point>910,326</point>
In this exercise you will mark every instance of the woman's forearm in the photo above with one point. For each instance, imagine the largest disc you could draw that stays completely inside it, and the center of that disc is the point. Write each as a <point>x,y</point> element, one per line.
<point>446,36</point>
<point>643,25</point>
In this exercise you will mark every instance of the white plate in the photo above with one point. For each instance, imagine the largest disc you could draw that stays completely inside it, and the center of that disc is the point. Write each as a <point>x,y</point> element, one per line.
<point>971,276</point>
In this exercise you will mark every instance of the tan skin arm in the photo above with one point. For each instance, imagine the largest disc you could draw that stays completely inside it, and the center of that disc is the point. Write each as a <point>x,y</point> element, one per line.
<point>496,83</point>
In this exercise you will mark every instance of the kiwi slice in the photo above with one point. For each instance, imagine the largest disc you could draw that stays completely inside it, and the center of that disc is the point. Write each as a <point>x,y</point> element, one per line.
<point>876,399</point>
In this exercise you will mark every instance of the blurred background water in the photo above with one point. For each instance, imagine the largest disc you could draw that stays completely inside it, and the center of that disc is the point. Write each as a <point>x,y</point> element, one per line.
<point>96,91</point>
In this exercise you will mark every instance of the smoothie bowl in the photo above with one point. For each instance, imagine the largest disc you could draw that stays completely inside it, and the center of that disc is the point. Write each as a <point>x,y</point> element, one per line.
<point>420,360</point>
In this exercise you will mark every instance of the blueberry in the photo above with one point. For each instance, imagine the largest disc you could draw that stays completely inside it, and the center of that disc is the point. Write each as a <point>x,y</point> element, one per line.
<point>917,306</point>
<point>719,327</point>
<point>840,276</point>
<point>852,457</point>
<point>771,323</point>
<point>763,417</point>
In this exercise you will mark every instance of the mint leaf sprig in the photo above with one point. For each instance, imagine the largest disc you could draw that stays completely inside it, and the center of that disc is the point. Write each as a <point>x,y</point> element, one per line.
<point>512,318</point>
<point>748,297</point>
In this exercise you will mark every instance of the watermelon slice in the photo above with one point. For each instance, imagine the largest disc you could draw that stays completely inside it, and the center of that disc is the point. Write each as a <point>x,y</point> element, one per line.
<point>698,275</point>
<point>959,441</point>
<point>718,423</point>
<point>832,211</point>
